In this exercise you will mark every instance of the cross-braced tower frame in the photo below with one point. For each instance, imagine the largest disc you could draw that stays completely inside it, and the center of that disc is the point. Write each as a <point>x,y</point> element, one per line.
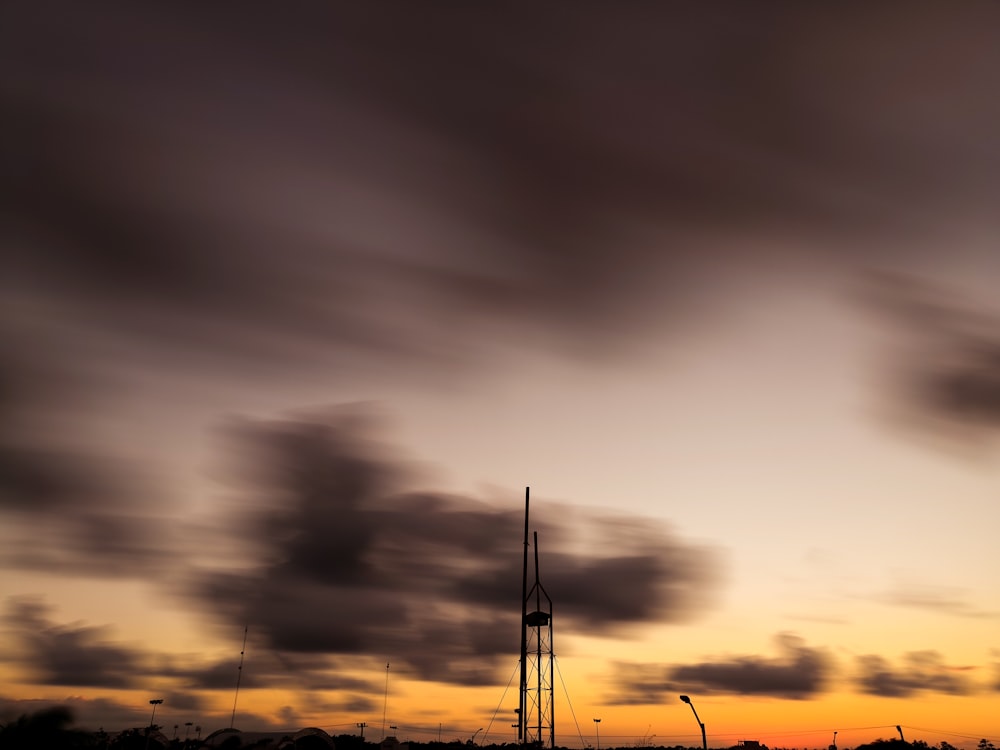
<point>536,714</point>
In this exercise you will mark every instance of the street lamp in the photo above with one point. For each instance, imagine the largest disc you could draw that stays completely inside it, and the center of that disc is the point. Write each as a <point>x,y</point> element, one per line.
<point>473,740</point>
<point>704,741</point>
<point>597,728</point>
<point>154,703</point>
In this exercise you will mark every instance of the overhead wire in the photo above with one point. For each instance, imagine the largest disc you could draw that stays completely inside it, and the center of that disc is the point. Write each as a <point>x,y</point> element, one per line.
<point>517,666</point>
<point>568,701</point>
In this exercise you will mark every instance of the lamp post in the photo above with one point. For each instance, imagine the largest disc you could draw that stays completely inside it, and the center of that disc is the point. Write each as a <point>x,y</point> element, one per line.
<point>704,741</point>
<point>154,703</point>
<point>473,740</point>
<point>597,728</point>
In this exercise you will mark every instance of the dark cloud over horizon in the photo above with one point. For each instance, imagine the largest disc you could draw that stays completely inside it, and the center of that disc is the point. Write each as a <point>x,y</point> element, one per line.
<point>799,672</point>
<point>333,547</point>
<point>71,655</point>
<point>921,671</point>
<point>78,655</point>
<point>350,561</point>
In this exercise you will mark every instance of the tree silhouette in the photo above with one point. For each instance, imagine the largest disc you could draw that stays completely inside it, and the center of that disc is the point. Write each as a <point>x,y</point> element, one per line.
<point>47,728</point>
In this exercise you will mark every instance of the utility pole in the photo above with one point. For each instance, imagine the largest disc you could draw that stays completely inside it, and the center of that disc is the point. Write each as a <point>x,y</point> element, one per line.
<point>361,725</point>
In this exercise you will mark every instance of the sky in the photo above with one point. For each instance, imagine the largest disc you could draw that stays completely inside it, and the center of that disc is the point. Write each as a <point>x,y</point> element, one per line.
<point>297,301</point>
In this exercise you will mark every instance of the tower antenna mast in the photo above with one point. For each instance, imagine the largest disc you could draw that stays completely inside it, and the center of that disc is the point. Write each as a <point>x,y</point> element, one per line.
<point>385,702</point>
<point>524,630</point>
<point>239,674</point>
<point>537,659</point>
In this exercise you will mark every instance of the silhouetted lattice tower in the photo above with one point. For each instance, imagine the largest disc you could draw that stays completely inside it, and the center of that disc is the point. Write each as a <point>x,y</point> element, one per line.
<point>536,714</point>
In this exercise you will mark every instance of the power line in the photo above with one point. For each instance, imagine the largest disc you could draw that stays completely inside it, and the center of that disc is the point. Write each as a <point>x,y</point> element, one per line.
<point>517,666</point>
<point>942,731</point>
<point>568,701</point>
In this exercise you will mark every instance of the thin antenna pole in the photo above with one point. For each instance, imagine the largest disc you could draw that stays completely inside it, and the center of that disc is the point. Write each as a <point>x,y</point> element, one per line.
<point>538,645</point>
<point>239,674</point>
<point>385,702</point>
<point>524,618</point>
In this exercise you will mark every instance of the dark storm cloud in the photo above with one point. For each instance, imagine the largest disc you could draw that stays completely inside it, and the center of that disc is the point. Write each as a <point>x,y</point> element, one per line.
<point>637,684</point>
<point>356,704</point>
<point>341,180</point>
<point>197,195</point>
<point>82,655</point>
<point>921,671</point>
<point>72,655</point>
<point>222,675</point>
<point>263,667</point>
<point>799,672</point>
<point>344,559</point>
<point>946,373</point>
<point>190,702</point>
<point>71,505</point>
<point>45,481</point>
<point>80,512</point>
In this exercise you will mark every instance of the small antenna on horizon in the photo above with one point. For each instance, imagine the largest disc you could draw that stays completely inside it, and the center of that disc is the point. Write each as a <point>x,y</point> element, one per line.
<point>239,674</point>
<point>385,702</point>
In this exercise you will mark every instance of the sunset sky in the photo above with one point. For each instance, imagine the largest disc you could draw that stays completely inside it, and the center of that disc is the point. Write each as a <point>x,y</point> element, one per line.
<point>297,300</point>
